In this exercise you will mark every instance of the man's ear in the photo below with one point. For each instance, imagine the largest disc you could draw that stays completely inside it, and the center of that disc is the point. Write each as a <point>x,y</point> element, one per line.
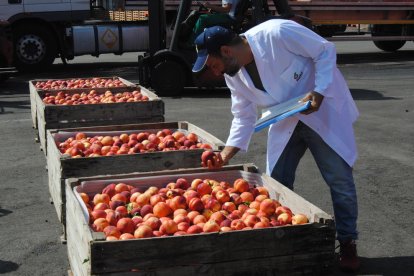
<point>226,51</point>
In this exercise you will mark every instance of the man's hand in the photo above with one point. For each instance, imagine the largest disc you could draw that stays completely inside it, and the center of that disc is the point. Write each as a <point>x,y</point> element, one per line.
<point>216,160</point>
<point>316,101</point>
<point>212,160</point>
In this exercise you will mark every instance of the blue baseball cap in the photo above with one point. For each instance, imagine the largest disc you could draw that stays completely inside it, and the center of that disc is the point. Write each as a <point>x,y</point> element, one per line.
<point>209,42</point>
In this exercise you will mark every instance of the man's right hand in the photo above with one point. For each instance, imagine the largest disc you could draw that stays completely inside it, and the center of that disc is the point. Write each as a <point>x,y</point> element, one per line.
<point>221,158</point>
<point>212,160</point>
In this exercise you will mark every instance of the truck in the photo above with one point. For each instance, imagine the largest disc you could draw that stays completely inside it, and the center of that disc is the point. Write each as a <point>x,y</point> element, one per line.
<point>46,29</point>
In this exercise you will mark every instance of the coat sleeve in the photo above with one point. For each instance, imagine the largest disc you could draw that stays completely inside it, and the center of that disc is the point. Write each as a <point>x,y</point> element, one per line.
<point>304,42</point>
<point>242,126</point>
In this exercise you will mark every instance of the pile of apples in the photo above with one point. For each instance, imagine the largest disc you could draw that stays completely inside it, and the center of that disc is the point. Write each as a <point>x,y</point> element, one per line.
<point>93,97</point>
<point>80,145</point>
<point>79,83</point>
<point>182,207</point>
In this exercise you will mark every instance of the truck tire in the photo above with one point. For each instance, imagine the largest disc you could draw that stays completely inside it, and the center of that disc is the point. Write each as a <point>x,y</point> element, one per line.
<point>389,46</point>
<point>35,48</point>
<point>168,78</point>
<point>388,30</point>
<point>329,30</point>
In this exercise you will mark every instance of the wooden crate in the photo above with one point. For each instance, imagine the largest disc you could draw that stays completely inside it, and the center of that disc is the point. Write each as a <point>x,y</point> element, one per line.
<point>128,15</point>
<point>33,91</point>
<point>61,167</point>
<point>69,116</point>
<point>288,250</point>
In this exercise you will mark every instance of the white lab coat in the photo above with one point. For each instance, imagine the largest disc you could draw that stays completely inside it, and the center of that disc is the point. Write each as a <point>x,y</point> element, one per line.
<point>292,60</point>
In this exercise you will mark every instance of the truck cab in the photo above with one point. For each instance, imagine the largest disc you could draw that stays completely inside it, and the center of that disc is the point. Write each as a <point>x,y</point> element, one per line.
<point>46,29</point>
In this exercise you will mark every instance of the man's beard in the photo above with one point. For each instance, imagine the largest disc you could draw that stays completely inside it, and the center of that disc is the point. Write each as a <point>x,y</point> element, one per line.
<point>231,66</point>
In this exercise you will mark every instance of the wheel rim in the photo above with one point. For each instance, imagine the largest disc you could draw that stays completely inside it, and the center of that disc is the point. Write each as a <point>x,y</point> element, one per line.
<point>31,48</point>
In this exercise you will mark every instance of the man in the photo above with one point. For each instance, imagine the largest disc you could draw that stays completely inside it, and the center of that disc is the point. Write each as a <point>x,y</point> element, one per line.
<point>223,15</point>
<point>274,62</point>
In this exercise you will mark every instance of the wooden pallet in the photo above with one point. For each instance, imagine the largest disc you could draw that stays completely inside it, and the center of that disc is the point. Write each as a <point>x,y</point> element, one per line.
<point>288,250</point>
<point>61,167</point>
<point>128,15</point>
<point>69,116</point>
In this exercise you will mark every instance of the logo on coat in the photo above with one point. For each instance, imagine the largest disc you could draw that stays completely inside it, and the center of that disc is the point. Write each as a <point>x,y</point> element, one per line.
<point>297,76</point>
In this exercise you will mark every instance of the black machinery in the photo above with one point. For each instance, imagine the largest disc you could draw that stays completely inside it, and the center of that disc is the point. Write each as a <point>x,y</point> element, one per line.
<point>168,70</point>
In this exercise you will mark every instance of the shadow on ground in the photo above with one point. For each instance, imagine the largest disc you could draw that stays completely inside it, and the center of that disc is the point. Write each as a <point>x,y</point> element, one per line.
<point>6,266</point>
<point>386,266</point>
<point>365,94</point>
<point>13,104</point>
<point>4,212</point>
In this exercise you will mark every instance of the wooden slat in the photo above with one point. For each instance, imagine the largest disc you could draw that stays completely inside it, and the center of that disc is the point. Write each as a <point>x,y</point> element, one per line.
<point>153,161</point>
<point>306,264</point>
<point>57,116</point>
<point>33,110</point>
<point>42,130</point>
<point>78,236</point>
<point>249,167</point>
<point>123,127</point>
<point>55,180</point>
<point>212,248</point>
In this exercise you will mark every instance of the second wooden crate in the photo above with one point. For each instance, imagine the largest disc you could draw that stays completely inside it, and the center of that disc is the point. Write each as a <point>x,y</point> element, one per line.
<point>61,167</point>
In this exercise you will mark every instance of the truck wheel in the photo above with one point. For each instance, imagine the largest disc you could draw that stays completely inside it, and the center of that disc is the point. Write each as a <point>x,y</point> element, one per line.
<point>35,48</point>
<point>168,78</point>
<point>329,30</point>
<point>389,46</point>
<point>388,30</point>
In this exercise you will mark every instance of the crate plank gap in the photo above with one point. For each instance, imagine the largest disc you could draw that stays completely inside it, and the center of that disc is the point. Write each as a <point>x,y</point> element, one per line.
<point>61,167</point>
<point>45,116</point>
<point>306,249</point>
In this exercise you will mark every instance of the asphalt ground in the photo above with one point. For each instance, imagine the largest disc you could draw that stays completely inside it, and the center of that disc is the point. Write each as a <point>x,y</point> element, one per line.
<point>381,84</point>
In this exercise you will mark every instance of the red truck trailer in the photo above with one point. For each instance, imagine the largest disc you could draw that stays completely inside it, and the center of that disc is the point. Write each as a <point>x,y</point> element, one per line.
<point>390,23</point>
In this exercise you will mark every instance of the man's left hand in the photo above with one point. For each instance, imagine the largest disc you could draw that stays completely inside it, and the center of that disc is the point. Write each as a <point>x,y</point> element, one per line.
<point>316,101</point>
